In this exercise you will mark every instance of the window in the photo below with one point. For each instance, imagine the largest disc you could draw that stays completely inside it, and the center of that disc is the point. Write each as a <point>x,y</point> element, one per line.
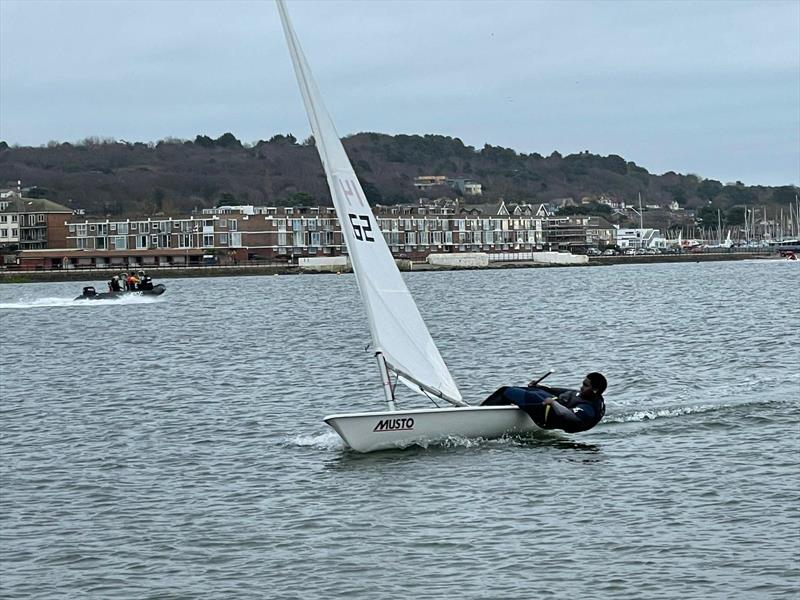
<point>81,243</point>
<point>102,229</point>
<point>100,243</point>
<point>144,227</point>
<point>232,225</point>
<point>223,238</point>
<point>3,232</point>
<point>119,242</point>
<point>184,240</point>
<point>122,228</point>
<point>40,218</point>
<point>141,241</point>
<point>3,218</point>
<point>208,240</point>
<point>154,241</point>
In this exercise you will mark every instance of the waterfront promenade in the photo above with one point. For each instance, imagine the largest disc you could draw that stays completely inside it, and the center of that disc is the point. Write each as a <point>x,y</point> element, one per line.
<point>278,268</point>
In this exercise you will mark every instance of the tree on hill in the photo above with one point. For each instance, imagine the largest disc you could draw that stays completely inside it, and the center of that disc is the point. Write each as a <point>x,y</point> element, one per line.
<point>709,189</point>
<point>592,209</point>
<point>227,140</point>
<point>785,194</point>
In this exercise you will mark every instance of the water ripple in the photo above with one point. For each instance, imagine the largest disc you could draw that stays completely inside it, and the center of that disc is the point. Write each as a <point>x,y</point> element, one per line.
<point>175,449</point>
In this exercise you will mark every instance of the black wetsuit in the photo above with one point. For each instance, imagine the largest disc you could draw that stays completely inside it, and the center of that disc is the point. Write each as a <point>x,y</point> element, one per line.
<point>570,412</point>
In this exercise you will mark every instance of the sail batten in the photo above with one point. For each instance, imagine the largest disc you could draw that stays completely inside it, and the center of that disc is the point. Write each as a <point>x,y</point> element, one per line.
<point>394,321</point>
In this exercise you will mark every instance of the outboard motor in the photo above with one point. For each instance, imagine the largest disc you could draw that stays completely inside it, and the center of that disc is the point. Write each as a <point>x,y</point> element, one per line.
<point>89,291</point>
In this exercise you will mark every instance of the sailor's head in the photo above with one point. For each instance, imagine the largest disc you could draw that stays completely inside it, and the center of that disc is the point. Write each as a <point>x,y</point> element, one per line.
<point>593,383</point>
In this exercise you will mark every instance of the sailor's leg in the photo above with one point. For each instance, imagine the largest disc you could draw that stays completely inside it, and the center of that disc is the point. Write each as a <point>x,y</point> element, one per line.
<point>516,395</point>
<point>497,398</point>
<point>531,400</point>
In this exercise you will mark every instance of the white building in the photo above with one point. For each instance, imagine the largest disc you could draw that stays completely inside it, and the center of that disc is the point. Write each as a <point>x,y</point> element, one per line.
<point>9,228</point>
<point>640,238</point>
<point>243,209</point>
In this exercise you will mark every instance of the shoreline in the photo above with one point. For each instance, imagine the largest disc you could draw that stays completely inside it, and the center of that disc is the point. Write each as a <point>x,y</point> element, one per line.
<point>10,277</point>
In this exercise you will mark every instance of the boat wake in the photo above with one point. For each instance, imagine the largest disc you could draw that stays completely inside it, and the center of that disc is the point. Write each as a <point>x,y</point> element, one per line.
<point>331,441</point>
<point>323,441</point>
<point>55,302</point>
<point>648,415</point>
<point>681,411</point>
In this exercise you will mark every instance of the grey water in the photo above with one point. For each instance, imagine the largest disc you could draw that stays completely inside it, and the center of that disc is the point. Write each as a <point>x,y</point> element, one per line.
<point>174,448</point>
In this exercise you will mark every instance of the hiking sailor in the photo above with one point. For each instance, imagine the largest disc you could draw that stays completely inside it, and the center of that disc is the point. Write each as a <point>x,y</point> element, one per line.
<point>558,408</point>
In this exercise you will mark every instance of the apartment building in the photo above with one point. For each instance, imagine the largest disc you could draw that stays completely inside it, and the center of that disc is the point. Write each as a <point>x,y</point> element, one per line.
<point>230,235</point>
<point>33,223</point>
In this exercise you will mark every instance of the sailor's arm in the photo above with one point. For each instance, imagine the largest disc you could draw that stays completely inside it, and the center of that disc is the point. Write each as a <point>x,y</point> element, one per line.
<point>576,416</point>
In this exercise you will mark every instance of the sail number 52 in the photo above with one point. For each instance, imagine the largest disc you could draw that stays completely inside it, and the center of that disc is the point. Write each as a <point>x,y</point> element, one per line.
<point>361,229</point>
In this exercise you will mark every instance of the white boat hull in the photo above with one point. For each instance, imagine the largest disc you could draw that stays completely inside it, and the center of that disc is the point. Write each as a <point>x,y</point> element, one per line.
<point>370,431</point>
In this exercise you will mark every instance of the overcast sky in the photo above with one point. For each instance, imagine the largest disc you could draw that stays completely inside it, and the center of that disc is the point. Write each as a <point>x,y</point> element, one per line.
<point>711,88</point>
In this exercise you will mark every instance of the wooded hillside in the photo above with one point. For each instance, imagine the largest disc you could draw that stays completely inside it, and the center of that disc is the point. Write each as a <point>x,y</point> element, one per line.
<point>108,177</point>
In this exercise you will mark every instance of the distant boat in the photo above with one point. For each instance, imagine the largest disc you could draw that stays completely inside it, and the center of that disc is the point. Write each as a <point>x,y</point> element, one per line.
<point>402,345</point>
<point>89,293</point>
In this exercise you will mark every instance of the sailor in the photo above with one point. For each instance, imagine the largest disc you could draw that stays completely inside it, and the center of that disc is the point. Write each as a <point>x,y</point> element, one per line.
<point>113,285</point>
<point>554,408</point>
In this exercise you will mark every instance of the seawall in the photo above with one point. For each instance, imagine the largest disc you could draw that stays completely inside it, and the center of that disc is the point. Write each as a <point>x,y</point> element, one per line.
<point>158,274</point>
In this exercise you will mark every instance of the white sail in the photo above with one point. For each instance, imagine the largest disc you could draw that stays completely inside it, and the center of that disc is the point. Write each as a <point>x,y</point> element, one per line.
<point>398,331</point>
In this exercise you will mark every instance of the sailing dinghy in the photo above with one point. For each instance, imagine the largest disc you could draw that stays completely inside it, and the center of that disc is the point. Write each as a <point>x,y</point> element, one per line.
<point>404,349</point>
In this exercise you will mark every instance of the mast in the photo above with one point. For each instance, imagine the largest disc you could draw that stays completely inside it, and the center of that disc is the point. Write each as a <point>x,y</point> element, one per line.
<point>797,215</point>
<point>387,384</point>
<point>641,218</point>
<point>746,239</point>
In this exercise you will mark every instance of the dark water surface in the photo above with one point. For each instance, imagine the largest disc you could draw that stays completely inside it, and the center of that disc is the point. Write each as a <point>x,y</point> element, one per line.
<point>175,448</point>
